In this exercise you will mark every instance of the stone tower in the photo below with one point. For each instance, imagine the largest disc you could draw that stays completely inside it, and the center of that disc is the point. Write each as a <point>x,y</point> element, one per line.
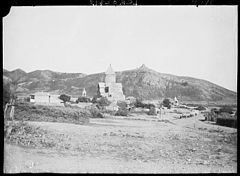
<point>110,88</point>
<point>110,75</point>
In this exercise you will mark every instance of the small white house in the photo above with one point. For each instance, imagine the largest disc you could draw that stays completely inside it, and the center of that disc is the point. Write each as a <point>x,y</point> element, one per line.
<point>44,97</point>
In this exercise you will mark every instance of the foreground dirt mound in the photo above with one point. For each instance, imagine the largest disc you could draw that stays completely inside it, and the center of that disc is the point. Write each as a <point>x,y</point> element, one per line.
<point>23,134</point>
<point>30,112</point>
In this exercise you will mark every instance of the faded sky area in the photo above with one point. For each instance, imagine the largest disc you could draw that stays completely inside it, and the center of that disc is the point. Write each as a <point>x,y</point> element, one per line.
<point>199,42</point>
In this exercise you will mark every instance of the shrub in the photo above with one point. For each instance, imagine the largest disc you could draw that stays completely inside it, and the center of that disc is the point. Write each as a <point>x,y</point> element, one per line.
<point>102,102</point>
<point>166,103</point>
<point>65,98</point>
<point>200,108</point>
<point>83,99</point>
<point>152,111</point>
<point>138,103</point>
<point>122,104</point>
<point>149,106</point>
<point>95,113</point>
<point>226,109</point>
<point>122,112</point>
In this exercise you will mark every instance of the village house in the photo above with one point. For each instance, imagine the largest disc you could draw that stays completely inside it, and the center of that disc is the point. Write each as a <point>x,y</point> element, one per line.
<point>44,97</point>
<point>110,89</point>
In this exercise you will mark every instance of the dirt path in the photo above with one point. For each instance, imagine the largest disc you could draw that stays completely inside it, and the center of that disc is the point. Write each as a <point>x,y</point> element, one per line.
<point>130,146</point>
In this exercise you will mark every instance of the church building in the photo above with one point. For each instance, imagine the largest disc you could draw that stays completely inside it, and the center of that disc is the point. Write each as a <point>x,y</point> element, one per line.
<point>109,88</point>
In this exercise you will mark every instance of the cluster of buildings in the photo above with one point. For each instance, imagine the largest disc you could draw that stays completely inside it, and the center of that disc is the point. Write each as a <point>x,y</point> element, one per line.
<point>109,89</point>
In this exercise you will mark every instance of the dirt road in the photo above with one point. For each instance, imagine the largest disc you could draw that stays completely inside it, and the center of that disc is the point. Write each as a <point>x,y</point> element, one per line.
<point>131,146</point>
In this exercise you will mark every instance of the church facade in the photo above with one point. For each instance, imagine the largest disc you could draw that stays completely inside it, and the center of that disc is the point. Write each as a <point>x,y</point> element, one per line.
<point>110,88</point>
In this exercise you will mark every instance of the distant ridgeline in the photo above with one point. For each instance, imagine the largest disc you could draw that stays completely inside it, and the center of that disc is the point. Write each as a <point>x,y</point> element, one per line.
<point>142,82</point>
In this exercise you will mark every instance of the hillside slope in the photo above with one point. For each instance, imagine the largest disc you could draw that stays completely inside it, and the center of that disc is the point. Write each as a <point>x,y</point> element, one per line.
<point>142,83</point>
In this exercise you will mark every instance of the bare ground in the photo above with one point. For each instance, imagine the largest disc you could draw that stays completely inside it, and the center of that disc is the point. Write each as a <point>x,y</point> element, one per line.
<point>120,145</point>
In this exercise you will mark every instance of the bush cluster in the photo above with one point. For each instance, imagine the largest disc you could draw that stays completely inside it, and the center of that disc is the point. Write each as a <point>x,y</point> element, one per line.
<point>100,101</point>
<point>122,104</point>
<point>152,111</point>
<point>65,98</point>
<point>122,112</point>
<point>140,104</point>
<point>83,99</point>
<point>95,112</point>
<point>166,103</point>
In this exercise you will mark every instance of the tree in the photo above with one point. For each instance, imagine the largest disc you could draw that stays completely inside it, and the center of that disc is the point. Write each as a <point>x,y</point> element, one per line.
<point>167,103</point>
<point>65,98</point>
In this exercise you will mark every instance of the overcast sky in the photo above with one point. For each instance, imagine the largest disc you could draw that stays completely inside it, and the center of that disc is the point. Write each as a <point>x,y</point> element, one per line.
<point>199,42</point>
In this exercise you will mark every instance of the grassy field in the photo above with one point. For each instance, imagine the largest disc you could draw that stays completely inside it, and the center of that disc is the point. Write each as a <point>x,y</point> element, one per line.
<point>31,112</point>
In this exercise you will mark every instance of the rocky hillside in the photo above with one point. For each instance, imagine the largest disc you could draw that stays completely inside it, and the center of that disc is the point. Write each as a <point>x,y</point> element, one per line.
<point>147,83</point>
<point>142,82</point>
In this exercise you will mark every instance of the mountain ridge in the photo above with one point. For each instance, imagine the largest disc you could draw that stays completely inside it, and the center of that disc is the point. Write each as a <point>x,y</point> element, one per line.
<point>141,82</point>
